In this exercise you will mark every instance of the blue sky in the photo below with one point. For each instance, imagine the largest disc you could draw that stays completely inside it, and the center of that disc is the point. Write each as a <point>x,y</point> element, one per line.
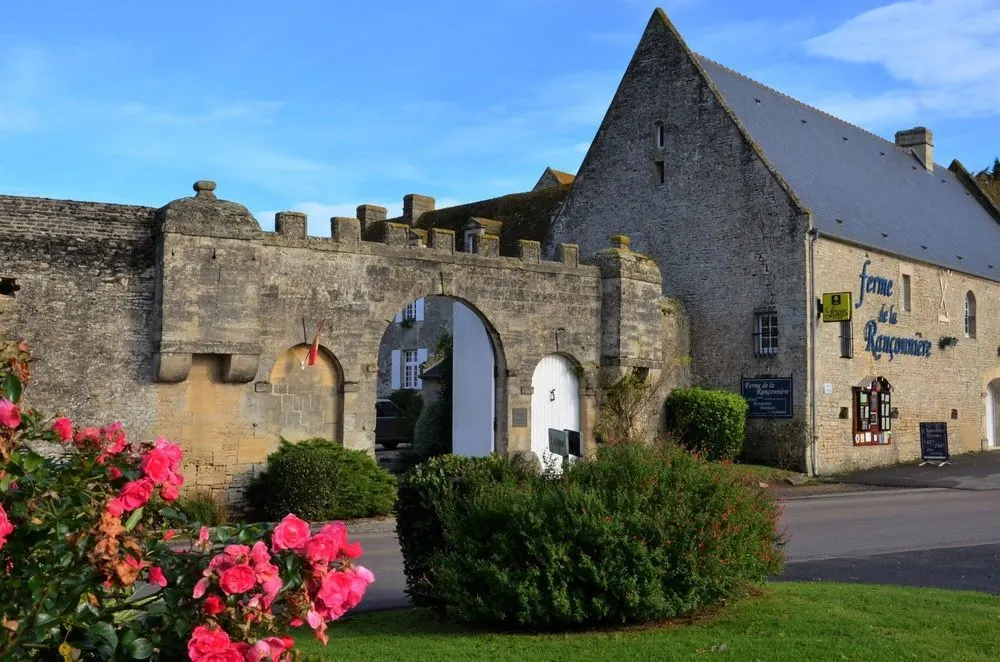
<point>320,106</point>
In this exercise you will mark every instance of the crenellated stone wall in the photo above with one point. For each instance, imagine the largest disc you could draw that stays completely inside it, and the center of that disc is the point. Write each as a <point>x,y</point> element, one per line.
<point>191,322</point>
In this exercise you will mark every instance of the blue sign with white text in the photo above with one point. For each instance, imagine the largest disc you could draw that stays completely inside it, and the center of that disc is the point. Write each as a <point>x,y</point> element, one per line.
<point>768,398</point>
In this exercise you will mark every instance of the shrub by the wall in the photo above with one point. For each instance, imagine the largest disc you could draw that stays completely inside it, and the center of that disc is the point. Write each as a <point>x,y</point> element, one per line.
<point>321,480</point>
<point>429,489</point>
<point>709,421</point>
<point>412,403</point>
<point>431,434</point>
<point>637,533</point>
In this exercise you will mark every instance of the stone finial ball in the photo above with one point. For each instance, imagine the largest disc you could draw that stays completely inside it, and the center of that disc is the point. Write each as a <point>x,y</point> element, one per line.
<point>620,241</point>
<point>204,185</point>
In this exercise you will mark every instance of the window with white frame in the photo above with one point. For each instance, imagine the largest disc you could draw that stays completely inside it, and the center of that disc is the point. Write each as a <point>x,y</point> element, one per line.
<point>411,369</point>
<point>660,135</point>
<point>413,312</point>
<point>970,315</point>
<point>766,333</point>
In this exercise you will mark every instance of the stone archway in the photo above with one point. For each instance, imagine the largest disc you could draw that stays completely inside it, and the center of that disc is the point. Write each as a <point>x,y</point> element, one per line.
<point>307,400</point>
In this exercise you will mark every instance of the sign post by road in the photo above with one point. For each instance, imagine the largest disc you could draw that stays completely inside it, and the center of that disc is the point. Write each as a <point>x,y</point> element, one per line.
<point>934,444</point>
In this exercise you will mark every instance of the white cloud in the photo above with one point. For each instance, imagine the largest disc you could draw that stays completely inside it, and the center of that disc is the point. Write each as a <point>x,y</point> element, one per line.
<point>943,54</point>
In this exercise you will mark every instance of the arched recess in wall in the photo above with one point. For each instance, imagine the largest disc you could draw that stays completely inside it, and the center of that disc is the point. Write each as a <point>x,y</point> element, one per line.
<point>307,400</point>
<point>555,403</point>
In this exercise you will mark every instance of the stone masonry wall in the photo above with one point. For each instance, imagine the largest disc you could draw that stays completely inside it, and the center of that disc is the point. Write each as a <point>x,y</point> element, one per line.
<point>727,237</point>
<point>189,321</point>
<point>925,389</point>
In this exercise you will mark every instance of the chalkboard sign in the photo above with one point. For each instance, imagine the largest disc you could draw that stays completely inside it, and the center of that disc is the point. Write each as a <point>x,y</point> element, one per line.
<point>768,398</point>
<point>934,441</point>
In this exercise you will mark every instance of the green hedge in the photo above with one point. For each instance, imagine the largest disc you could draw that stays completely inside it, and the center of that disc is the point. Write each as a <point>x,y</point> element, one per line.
<point>709,421</point>
<point>637,533</point>
<point>426,491</point>
<point>320,480</point>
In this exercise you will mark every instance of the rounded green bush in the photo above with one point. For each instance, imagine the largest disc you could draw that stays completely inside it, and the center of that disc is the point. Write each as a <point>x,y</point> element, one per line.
<point>426,491</point>
<point>320,480</point>
<point>709,421</point>
<point>637,533</point>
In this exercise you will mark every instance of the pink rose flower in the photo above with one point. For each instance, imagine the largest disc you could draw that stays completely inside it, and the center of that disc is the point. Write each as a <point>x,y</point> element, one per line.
<point>213,605</point>
<point>169,492</point>
<point>136,494</point>
<point>271,648</point>
<point>170,449</point>
<point>237,579</point>
<point>82,437</point>
<point>6,528</point>
<point>116,508</point>
<point>10,415</point>
<point>321,549</point>
<point>338,531</point>
<point>207,641</point>
<point>259,553</point>
<point>63,427</point>
<point>156,576</point>
<point>114,473</point>
<point>114,438</point>
<point>291,533</point>
<point>200,588</point>
<point>156,464</point>
<point>168,535</point>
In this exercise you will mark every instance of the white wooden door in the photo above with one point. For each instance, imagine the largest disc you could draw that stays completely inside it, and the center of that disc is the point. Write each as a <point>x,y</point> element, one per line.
<point>555,403</point>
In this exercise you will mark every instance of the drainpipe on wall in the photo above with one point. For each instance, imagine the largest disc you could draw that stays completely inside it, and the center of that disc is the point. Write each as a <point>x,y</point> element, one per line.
<point>813,234</point>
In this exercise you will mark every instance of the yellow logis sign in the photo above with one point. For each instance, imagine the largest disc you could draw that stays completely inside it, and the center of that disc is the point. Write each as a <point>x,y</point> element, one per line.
<point>836,306</point>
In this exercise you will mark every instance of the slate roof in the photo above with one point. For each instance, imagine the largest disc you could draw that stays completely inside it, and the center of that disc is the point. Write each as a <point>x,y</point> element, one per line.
<point>863,188</point>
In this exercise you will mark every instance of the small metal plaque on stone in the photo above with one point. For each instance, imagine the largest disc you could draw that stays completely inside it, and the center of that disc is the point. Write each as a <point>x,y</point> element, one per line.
<point>558,442</point>
<point>520,416</point>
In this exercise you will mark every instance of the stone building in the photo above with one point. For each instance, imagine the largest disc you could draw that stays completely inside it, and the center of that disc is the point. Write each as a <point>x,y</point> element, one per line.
<point>756,206</point>
<point>191,322</point>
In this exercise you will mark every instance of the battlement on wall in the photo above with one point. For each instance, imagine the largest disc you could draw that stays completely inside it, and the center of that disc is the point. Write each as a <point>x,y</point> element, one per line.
<point>346,232</point>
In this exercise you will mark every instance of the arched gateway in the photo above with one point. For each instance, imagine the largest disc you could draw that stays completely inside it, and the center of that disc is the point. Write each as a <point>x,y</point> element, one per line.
<point>207,294</point>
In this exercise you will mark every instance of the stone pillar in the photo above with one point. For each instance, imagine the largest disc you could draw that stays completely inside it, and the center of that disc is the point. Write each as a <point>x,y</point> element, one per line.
<point>415,206</point>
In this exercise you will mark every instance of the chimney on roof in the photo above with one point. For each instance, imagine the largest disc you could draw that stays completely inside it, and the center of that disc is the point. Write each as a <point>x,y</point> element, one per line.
<point>920,141</point>
<point>414,206</point>
<point>368,214</point>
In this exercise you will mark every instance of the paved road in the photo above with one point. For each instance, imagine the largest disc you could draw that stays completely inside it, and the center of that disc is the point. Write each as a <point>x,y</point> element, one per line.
<point>927,537</point>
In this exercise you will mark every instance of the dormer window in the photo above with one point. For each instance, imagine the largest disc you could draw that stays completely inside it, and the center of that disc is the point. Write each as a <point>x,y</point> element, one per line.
<point>470,241</point>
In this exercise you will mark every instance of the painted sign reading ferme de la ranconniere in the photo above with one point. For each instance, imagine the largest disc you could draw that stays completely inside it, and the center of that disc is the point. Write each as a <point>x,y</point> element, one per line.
<point>878,343</point>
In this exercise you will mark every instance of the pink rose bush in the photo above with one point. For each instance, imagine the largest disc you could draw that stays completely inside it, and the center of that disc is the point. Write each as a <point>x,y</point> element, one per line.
<point>76,535</point>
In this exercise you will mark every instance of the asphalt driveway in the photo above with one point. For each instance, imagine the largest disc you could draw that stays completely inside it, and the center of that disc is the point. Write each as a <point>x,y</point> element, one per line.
<point>970,471</point>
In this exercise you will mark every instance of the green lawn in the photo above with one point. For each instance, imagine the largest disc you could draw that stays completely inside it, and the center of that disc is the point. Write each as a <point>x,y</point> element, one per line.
<point>791,621</point>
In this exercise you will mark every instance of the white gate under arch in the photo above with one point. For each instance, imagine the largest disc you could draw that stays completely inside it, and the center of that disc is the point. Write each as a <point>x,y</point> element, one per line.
<point>555,404</point>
